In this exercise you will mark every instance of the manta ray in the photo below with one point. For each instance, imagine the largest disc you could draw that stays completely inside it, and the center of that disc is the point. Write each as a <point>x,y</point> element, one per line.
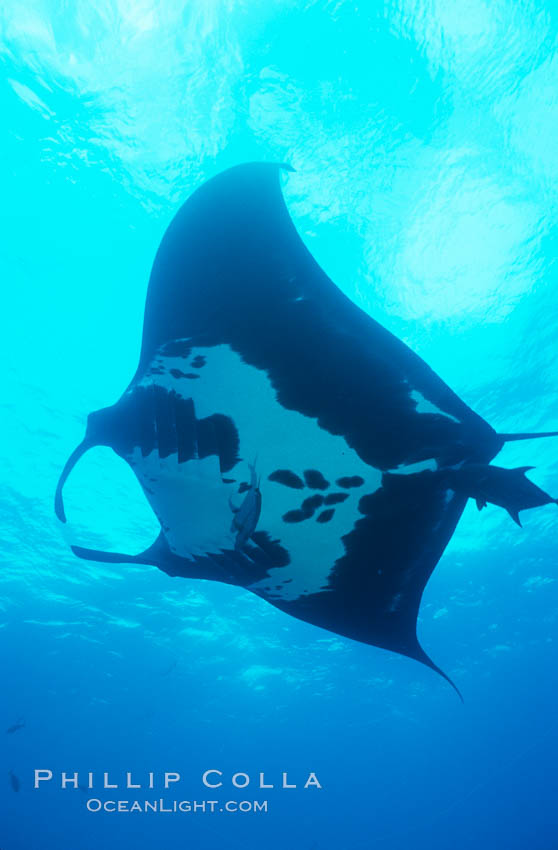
<point>287,442</point>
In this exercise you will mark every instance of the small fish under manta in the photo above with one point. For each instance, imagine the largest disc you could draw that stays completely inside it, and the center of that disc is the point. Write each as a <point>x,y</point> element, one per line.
<point>286,441</point>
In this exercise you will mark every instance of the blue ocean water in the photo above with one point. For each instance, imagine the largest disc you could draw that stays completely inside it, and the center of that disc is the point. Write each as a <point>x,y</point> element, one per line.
<point>423,138</point>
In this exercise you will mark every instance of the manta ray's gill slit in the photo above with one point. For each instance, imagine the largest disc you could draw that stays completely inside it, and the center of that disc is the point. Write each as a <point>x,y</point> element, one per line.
<point>185,419</point>
<point>227,441</point>
<point>165,405</point>
<point>206,438</point>
<point>175,407</point>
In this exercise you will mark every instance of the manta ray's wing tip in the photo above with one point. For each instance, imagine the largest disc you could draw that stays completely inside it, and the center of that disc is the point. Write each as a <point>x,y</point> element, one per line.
<point>448,680</point>
<point>425,659</point>
<point>453,685</point>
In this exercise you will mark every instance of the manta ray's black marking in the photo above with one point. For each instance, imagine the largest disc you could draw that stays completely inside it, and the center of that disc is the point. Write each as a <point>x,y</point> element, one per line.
<point>350,481</point>
<point>335,498</point>
<point>288,478</point>
<point>315,479</point>
<point>253,363</point>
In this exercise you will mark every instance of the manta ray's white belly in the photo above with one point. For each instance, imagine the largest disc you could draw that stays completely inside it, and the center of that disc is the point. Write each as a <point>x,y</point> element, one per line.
<point>193,503</point>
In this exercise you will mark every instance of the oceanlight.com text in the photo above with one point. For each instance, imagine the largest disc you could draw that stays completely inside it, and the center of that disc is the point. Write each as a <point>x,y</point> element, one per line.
<point>162,806</point>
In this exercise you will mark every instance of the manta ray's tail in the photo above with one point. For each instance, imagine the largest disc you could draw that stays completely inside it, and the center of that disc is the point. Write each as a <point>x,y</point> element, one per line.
<point>510,438</point>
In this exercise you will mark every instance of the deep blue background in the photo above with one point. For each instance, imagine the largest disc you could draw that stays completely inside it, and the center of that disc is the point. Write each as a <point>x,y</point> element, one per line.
<point>424,138</point>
